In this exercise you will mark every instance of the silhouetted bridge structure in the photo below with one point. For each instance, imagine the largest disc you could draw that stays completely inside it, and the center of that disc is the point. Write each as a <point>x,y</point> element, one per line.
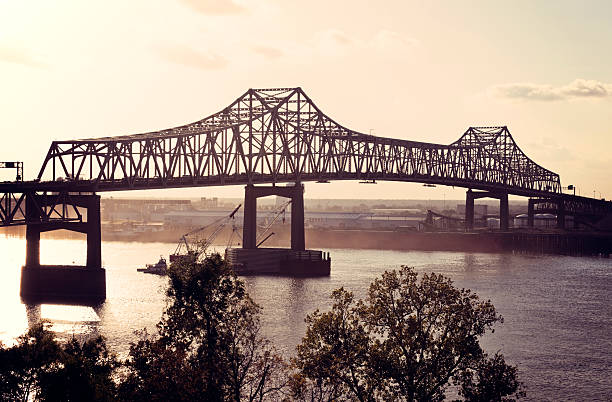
<point>270,136</point>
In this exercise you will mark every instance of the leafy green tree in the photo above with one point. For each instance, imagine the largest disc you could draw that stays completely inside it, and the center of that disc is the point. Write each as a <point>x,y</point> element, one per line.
<point>406,341</point>
<point>209,345</point>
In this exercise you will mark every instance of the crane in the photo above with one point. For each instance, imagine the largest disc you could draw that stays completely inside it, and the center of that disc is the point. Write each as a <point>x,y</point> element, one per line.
<point>280,211</point>
<point>193,249</point>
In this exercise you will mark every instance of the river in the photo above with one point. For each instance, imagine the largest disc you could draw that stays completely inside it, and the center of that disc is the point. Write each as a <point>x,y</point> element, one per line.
<point>557,317</point>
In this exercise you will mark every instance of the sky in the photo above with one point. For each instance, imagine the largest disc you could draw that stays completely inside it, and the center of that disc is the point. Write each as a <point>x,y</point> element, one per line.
<point>416,70</point>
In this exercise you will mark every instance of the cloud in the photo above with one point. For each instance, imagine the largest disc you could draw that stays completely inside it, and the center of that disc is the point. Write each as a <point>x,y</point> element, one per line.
<point>268,52</point>
<point>335,45</point>
<point>577,89</point>
<point>215,7</point>
<point>383,43</point>
<point>190,57</point>
<point>333,36</point>
<point>389,40</point>
<point>19,56</point>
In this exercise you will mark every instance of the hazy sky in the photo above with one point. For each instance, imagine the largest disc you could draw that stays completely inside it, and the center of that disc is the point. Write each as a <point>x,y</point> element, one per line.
<point>419,70</point>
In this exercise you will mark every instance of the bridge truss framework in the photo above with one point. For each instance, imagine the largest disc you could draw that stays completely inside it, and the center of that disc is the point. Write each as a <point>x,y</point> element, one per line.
<point>280,135</point>
<point>266,136</point>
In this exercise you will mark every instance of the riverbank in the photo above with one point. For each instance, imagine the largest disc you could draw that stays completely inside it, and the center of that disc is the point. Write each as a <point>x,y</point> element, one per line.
<point>489,241</point>
<point>577,244</point>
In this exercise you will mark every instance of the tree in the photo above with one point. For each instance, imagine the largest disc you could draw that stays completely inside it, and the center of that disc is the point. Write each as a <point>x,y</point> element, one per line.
<point>209,344</point>
<point>407,340</point>
<point>22,365</point>
<point>490,379</point>
<point>40,368</point>
<point>335,355</point>
<point>84,373</point>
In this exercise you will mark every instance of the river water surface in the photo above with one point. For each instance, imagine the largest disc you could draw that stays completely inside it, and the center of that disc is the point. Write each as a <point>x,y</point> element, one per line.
<point>557,328</point>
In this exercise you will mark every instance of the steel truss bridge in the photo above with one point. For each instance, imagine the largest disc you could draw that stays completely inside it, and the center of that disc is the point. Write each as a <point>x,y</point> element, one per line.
<point>272,136</point>
<point>266,136</point>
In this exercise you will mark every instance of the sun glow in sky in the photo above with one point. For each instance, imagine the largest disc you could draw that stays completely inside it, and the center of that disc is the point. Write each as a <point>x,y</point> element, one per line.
<point>418,70</point>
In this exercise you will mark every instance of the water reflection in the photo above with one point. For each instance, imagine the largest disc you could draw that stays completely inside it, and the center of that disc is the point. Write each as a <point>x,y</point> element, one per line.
<point>296,309</point>
<point>33,314</point>
<point>65,320</point>
<point>469,262</point>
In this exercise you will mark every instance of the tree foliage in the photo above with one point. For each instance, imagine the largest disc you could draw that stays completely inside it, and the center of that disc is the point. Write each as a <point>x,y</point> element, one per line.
<point>490,379</point>
<point>209,344</point>
<point>84,373</point>
<point>406,341</point>
<point>40,368</point>
<point>335,354</point>
<point>22,365</point>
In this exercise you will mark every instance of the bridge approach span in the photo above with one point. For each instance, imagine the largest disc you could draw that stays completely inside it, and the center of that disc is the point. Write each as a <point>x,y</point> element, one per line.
<point>280,135</point>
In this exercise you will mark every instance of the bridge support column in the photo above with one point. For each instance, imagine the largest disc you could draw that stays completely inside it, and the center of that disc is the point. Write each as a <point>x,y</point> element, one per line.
<point>63,283</point>
<point>284,261</point>
<point>295,193</point>
<point>32,232</point>
<point>94,236</point>
<point>504,212</point>
<point>249,229</point>
<point>469,210</point>
<point>298,241</point>
<point>561,214</point>
<point>530,212</point>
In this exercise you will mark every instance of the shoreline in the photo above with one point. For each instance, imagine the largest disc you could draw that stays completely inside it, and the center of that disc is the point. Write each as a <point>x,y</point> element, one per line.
<point>521,241</point>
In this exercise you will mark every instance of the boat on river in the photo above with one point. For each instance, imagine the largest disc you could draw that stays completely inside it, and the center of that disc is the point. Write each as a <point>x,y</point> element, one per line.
<point>159,268</point>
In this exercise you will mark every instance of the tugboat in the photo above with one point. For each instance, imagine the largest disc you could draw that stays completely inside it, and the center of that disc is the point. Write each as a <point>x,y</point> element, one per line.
<point>160,268</point>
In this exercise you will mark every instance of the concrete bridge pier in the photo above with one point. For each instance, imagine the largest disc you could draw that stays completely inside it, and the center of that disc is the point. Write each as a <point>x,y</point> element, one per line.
<point>33,230</point>
<point>294,261</point>
<point>560,214</point>
<point>504,212</point>
<point>298,238</point>
<point>295,193</point>
<point>469,210</point>
<point>530,212</point>
<point>249,226</point>
<point>63,283</point>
